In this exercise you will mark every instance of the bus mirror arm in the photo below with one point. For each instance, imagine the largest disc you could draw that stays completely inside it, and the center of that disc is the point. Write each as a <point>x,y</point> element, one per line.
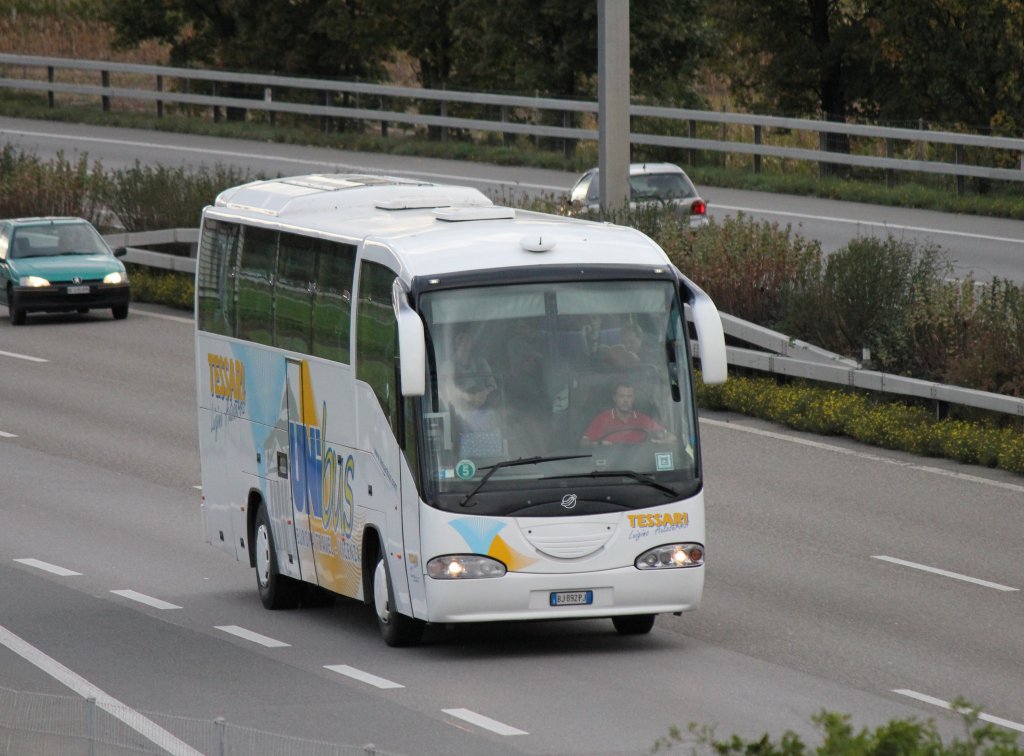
<point>412,347</point>
<point>710,335</point>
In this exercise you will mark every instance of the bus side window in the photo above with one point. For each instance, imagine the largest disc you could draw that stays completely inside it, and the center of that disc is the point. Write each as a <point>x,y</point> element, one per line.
<point>377,338</point>
<point>217,276</point>
<point>255,285</point>
<point>293,293</point>
<point>332,305</point>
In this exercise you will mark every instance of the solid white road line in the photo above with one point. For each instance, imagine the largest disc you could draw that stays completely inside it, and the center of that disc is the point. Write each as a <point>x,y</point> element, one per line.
<point>947,705</point>
<point>162,316</point>
<point>945,573</point>
<point>249,635</point>
<point>366,677</point>
<point>142,598</point>
<point>27,357</point>
<point>864,455</point>
<point>148,729</point>
<point>874,224</point>
<point>41,565</point>
<point>485,722</point>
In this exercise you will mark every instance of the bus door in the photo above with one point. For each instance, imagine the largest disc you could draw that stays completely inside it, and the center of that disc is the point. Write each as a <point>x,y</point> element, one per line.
<point>303,468</point>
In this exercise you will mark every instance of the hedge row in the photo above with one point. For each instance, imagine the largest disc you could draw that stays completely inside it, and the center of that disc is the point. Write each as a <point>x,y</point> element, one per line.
<point>888,424</point>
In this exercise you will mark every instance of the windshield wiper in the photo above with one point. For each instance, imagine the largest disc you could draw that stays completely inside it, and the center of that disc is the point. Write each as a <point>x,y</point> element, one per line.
<point>491,469</point>
<point>645,479</point>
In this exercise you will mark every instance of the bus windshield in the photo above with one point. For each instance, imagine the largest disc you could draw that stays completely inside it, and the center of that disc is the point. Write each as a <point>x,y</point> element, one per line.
<point>555,399</point>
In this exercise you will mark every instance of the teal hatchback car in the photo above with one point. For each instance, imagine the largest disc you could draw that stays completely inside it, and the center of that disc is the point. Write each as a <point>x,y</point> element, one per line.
<point>59,265</point>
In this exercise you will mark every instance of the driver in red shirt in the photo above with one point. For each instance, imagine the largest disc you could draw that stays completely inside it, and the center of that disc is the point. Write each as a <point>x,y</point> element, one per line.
<point>622,424</point>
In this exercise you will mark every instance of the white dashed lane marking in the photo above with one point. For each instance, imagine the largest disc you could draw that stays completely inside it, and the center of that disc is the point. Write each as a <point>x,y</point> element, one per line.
<point>486,723</point>
<point>47,567</point>
<point>142,598</point>
<point>944,573</point>
<point>249,635</point>
<point>366,677</point>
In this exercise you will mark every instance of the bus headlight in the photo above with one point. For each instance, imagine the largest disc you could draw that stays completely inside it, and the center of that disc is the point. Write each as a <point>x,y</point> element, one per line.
<point>670,556</point>
<point>33,281</point>
<point>464,567</point>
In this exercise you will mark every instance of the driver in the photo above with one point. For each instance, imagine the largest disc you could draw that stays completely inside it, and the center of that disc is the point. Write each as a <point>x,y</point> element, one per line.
<point>623,424</point>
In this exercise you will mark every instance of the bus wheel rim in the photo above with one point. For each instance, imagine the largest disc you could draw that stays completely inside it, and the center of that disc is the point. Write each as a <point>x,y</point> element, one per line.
<point>380,592</point>
<point>262,555</point>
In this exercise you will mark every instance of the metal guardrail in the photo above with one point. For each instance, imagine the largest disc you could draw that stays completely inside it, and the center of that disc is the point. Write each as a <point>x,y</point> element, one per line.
<point>776,353</point>
<point>42,724</point>
<point>515,115</point>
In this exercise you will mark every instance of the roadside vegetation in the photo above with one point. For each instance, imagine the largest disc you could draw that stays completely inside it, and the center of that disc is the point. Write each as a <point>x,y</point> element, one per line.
<point>897,738</point>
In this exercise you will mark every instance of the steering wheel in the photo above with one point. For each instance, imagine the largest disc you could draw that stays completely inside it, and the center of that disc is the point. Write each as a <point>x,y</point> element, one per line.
<point>647,435</point>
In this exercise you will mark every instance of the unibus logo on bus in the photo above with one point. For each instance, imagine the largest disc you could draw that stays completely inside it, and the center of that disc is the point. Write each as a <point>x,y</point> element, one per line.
<point>321,478</point>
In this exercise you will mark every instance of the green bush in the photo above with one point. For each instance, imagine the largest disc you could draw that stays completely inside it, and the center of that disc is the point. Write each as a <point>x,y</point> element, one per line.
<point>145,198</point>
<point>29,186</point>
<point>162,287</point>
<point>899,737</point>
<point>887,423</point>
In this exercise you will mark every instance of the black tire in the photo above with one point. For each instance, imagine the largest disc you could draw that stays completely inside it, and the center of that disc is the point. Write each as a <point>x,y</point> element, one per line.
<point>634,624</point>
<point>16,314</point>
<point>120,311</point>
<point>277,591</point>
<point>396,629</point>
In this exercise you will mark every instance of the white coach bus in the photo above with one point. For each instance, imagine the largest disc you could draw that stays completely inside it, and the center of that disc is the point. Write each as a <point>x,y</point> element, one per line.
<point>447,409</point>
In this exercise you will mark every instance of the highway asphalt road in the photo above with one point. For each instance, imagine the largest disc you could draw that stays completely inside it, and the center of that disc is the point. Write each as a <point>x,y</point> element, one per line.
<point>839,577</point>
<point>986,247</point>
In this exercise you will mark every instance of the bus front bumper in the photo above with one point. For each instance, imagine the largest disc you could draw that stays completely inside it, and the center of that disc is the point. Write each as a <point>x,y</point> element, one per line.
<point>526,596</point>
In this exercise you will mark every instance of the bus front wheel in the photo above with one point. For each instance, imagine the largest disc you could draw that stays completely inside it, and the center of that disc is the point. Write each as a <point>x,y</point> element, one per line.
<point>634,624</point>
<point>277,591</point>
<point>397,629</point>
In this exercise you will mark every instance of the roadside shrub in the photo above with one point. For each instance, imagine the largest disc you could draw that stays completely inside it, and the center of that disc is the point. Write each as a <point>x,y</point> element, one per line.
<point>29,186</point>
<point>889,424</point>
<point>898,737</point>
<point>164,287</point>
<point>751,270</point>
<point>146,198</point>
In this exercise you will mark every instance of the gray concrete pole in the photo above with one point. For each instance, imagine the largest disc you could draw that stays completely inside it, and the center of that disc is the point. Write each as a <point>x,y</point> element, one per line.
<point>613,101</point>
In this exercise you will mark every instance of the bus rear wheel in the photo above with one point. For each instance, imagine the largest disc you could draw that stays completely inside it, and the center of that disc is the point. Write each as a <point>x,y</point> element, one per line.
<point>277,591</point>
<point>397,629</point>
<point>634,624</point>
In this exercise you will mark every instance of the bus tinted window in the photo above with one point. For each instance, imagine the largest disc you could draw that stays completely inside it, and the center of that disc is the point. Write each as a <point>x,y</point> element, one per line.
<point>377,336</point>
<point>333,301</point>
<point>216,290</point>
<point>255,285</point>
<point>293,292</point>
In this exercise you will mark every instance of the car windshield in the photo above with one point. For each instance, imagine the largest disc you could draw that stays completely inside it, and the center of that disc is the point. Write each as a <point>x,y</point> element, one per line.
<point>660,186</point>
<point>57,238</point>
<point>542,391</point>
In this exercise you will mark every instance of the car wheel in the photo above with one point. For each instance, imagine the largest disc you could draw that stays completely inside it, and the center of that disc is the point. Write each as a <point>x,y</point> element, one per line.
<point>277,591</point>
<point>634,624</point>
<point>17,314</point>
<point>397,629</point>
<point>120,311</point>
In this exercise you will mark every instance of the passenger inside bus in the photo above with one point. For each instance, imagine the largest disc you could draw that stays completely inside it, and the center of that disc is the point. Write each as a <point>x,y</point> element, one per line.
<point>471,388</point>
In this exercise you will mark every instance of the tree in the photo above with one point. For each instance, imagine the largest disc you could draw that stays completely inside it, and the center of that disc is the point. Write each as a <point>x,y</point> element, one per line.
<point>951,61</point>
<point>329,38</point>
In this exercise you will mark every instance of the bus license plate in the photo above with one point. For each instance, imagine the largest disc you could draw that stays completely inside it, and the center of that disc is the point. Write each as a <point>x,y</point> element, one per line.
<point>78,290</point>
<point>572,598</point>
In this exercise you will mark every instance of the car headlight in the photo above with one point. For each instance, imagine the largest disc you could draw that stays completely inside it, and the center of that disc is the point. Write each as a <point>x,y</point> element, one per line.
<point>115,278</point>
<point>671,556</point>
<point>33,281</point>
<point>464,567</point>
